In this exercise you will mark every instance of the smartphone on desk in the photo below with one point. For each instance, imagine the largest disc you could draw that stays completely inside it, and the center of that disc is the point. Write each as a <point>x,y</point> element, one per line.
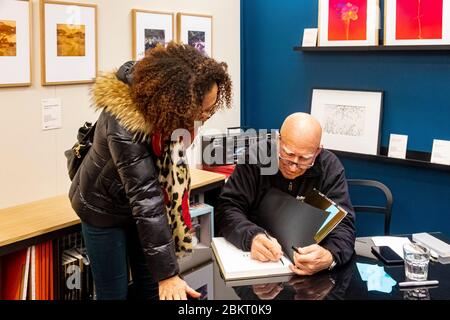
<point>387,255</point>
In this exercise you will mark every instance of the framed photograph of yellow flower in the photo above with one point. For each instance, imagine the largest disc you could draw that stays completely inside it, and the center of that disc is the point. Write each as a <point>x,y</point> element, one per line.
<point>15,43</point>
<point>68,42</point>
<point>348,23</point>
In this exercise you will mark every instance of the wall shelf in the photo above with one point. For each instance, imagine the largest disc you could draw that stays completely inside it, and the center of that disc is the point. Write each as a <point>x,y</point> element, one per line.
<point>413,158</point>
<point>379,48</point>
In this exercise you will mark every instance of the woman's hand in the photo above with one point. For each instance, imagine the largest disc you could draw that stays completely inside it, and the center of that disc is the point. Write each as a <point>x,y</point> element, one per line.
<point>175,288</point>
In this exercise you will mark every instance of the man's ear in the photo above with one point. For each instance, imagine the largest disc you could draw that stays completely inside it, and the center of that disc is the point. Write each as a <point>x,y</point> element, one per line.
<point>319,150</point>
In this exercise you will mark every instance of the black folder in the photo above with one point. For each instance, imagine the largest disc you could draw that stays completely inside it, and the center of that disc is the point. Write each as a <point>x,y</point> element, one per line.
<point>291,221</point>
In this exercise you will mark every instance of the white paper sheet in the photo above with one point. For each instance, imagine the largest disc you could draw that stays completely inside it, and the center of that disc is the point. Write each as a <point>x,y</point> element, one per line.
<point>397,146</point>
<point>309,37</point>
<point>441,152</point>
<point>395,243</point>
<point>51,114</point>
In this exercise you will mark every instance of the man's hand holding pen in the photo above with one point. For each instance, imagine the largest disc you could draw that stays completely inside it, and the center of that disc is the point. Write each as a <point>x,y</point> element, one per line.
<point>311,259</point>
<point>265,248</point>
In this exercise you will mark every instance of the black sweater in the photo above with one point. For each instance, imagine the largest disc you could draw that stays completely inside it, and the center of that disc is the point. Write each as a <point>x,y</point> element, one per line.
<point>244,190</point>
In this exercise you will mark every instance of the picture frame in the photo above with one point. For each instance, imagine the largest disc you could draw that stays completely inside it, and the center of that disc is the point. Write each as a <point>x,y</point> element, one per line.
<point>69,50</point>
<point>16,43</point>
<point>150,28</point>
<point>417,22</point>
<point>201,279</point>
<point>350,119</point>
<point>196,30</point>
<point>348,23</point>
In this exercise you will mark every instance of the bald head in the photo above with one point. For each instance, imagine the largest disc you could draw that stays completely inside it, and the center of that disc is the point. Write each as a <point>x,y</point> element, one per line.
<point>300,139</point>
<point>301,130</point>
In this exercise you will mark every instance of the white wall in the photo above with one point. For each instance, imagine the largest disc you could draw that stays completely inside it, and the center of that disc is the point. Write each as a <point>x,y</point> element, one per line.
<point>32,163</point>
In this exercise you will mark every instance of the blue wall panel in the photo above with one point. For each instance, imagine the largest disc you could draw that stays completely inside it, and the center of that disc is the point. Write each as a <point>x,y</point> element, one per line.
<point>278,81</point>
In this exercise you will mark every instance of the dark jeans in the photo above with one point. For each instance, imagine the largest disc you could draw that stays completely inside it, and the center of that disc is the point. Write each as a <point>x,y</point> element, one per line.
<point>110,250</point>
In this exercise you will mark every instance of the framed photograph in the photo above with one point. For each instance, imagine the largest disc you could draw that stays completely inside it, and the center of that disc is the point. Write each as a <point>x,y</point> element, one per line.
<point>350,120</point>
<point>348,23</point>
<point>15,43</point>
<point>196,31</point>
<point>149,29</point>
<point>68,42</point>
<point>417,22</point>
<point>201,280</point>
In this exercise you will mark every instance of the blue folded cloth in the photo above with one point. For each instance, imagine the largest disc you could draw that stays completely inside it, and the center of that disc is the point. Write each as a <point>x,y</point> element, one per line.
<point>377,279</point>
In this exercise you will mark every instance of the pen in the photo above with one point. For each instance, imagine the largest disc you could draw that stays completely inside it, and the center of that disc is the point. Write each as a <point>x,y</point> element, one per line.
<point>418,283</point>
<point>295,249</point>
<point>265,232</point>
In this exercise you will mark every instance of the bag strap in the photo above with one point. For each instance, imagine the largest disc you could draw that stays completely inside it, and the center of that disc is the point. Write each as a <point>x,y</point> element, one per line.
<point>90,134</point>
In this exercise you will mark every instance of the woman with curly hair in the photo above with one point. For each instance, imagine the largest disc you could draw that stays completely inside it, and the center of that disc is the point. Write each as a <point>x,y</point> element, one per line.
<point>131,191</point>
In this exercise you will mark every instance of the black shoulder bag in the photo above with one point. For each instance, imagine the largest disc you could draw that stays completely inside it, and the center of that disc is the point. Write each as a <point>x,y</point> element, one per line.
<point>76,154</point>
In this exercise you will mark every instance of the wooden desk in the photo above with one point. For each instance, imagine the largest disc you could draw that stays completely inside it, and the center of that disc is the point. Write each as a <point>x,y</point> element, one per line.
<point>31,223</point>
<point>202,178</point>
<point>35,218</point>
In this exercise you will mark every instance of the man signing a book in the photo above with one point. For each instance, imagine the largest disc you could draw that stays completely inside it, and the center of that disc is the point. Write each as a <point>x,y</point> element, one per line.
<point>302,166</point>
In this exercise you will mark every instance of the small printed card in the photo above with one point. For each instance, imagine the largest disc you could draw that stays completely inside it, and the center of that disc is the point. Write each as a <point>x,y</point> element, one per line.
<point>441,152</point>
<point>51,113</point>
<point>309,37</point>
<point>397,146</point>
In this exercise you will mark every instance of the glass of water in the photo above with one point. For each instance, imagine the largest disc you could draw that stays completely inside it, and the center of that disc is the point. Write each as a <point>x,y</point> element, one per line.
<point>417,258</point>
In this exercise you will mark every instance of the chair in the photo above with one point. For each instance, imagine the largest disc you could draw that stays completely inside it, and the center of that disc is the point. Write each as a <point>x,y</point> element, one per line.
<point>385,210</point>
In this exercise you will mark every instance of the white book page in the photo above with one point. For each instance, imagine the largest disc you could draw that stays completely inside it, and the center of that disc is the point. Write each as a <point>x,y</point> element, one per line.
<point>238,264</point>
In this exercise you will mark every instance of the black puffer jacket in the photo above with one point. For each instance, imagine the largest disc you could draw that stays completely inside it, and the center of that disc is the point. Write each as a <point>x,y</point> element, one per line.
<point>117,182</point>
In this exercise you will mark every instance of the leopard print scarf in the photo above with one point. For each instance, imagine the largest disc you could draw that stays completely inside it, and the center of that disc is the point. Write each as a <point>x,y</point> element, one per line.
<point>175,181</point>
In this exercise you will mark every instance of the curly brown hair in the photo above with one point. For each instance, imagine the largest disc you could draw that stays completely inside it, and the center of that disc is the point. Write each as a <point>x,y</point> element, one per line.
<point>169,85</point>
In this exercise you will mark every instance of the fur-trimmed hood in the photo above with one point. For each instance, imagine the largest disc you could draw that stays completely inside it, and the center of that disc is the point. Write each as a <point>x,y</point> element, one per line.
<point>114,96</point>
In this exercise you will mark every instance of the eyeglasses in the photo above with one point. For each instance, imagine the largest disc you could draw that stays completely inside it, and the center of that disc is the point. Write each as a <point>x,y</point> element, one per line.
<point>298,165</point>
<point>302,163</point>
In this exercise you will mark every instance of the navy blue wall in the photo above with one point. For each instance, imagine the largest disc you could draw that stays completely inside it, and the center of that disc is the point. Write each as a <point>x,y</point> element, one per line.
<point>277,81</point>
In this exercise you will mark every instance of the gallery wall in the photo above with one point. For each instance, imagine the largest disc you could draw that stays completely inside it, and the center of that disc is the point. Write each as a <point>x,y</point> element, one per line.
<point>278,81</point>
<point>32,164</point>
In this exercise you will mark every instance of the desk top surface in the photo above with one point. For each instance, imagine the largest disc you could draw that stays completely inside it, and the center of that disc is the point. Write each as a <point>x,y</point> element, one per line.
<point>39,217</point>
<point>342,283</point>
<point>201,178</point>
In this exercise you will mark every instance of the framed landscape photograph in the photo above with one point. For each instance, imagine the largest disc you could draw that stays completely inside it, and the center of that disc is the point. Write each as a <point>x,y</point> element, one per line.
<point>417,22</point>
<point>151,28</point>
<point>15,43</point>
<point>196,31</point>
<point>68,42</point>
<point>350,120</point>
<point>348,23</point>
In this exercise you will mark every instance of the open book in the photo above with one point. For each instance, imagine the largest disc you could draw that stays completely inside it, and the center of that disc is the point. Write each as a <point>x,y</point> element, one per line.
<point>236,264</point>
<point>293,222</point>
